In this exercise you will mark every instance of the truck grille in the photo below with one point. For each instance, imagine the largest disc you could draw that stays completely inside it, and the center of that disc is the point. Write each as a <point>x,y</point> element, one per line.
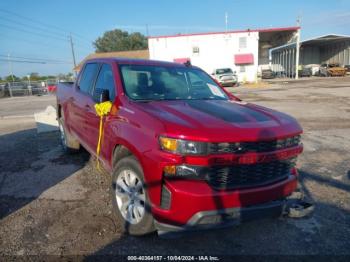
<point>261,146</point>
<point>240,176</point>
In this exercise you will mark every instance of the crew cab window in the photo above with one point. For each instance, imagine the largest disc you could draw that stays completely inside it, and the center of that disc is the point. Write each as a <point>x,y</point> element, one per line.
<point>88,77</point>
<point>105,80</point>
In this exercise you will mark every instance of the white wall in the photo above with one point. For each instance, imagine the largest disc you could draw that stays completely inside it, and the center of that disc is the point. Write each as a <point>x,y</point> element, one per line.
<point>215,51</point>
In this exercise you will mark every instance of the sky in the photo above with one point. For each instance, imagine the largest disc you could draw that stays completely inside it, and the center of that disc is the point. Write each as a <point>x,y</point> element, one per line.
<point>39,29</point>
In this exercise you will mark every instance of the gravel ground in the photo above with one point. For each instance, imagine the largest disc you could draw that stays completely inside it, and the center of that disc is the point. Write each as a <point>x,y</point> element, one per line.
<point>56,204</point>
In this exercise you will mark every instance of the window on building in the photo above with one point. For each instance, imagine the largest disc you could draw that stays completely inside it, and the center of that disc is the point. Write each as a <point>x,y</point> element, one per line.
<point>195,50</point>
<point>242,69</point>
<point>243,42</point>
<point>88,77</point>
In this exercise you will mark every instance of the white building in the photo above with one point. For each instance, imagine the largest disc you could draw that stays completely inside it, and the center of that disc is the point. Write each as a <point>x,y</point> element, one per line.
<point>242,51</point>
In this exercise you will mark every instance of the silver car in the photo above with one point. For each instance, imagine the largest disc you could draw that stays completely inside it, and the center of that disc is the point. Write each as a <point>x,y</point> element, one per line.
<point>225,76</point>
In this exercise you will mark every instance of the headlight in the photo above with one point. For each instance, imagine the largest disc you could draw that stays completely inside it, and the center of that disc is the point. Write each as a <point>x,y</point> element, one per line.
<point>183,147</point>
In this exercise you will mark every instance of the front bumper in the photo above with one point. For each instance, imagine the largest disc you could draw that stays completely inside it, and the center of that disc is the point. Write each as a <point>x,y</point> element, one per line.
<point>225,217</point>
<point>294,206</point>
<point>187,197</point>
<point>228,82</point>
<point>191,197</point>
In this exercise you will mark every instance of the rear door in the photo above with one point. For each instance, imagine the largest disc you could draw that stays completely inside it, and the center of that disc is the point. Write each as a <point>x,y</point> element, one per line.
<point>83,104</point>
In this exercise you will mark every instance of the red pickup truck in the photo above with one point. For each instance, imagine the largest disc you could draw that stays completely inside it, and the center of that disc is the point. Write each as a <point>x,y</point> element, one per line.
<point>182,152</point>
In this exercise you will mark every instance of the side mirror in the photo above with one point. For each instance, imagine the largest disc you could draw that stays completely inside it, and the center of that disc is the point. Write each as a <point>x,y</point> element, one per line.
<point>101,95</point>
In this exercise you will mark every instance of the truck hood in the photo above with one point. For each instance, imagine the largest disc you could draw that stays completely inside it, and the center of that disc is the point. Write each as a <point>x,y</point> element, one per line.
<point>220,120</point>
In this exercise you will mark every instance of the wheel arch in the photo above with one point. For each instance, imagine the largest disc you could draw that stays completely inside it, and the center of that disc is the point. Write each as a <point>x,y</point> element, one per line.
<point>123,149</point>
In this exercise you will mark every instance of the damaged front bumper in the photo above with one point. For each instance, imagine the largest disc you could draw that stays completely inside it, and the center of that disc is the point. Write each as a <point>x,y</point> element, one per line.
<point>294,206</point>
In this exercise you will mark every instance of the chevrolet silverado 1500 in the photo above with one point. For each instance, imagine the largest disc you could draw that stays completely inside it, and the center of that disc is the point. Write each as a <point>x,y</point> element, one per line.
<point>182,152</point>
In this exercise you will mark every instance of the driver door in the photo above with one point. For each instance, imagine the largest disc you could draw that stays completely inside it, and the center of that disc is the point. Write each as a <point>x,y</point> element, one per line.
<point>105,81</point>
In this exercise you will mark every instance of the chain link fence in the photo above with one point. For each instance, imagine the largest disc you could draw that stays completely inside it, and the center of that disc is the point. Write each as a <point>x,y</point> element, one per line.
<point>27,88</point>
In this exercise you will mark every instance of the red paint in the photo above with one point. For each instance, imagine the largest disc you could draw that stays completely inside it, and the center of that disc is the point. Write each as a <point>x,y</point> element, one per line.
<point>244,59</point>
<point>263,30</point>
<point>51,88</point>
<point>137,126</point>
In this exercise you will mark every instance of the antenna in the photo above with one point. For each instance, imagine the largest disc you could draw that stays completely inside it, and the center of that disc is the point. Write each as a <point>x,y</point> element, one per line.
<point>299,19</point>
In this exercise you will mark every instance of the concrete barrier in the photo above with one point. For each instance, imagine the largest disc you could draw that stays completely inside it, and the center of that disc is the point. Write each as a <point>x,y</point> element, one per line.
<point>46,120</point>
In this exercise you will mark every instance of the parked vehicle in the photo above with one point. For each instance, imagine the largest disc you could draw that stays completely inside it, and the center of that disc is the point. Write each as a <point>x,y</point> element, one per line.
<point>3,90</point>
<point>332,70</point>
<point>183,153</point>
<point>267,74</point>
<point>347,68</point>
<point>51,86</point>
<point>225,76</point>
<point>19,89</point>
<point>315,69</point>
<point>305,72</point>
<point>37,89</point>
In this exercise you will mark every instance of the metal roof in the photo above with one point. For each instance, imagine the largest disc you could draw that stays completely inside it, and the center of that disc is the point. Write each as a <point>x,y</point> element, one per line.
<point>325,38</point>
<point>320,40</point>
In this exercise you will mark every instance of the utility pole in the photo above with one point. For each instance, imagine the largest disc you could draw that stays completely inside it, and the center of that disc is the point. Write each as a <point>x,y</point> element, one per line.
<point>11,73</point>
<point>226,21</point>
<point>297,49</point>
<point>73,54</point>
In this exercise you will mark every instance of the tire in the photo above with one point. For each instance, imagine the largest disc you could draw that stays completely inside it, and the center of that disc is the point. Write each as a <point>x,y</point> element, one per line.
<point>69,144</point>
<point>130,201</point>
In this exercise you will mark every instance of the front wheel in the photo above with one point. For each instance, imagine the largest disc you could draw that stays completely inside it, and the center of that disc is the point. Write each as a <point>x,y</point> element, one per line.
<point>129,197</point>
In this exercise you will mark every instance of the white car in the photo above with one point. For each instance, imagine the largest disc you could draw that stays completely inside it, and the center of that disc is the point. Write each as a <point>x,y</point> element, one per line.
<point>225,76</point>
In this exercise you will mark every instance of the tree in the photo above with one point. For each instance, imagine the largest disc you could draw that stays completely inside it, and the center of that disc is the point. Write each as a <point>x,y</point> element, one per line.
<point>118,40</point>
<point>11,78</point>
<point>34,76</point>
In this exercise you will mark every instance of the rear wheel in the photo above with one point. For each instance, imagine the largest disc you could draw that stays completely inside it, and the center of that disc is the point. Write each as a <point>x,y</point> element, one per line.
<point>69,144</point>
<point>129,197</point>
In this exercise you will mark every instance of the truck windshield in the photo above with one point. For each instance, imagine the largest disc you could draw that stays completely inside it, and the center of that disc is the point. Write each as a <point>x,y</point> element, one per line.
<point>148,83</point>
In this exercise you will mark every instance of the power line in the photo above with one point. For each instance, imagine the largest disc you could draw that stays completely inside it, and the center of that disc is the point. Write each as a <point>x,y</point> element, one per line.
<point>39,59</point>
<point>30,19</point>
<point>24,40</point>
<point>48,33</point>
<point>56,28</point>
<point>31,62</point>
<point>31,26</point>
<point>34,33</point>
<point>42,35</point>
